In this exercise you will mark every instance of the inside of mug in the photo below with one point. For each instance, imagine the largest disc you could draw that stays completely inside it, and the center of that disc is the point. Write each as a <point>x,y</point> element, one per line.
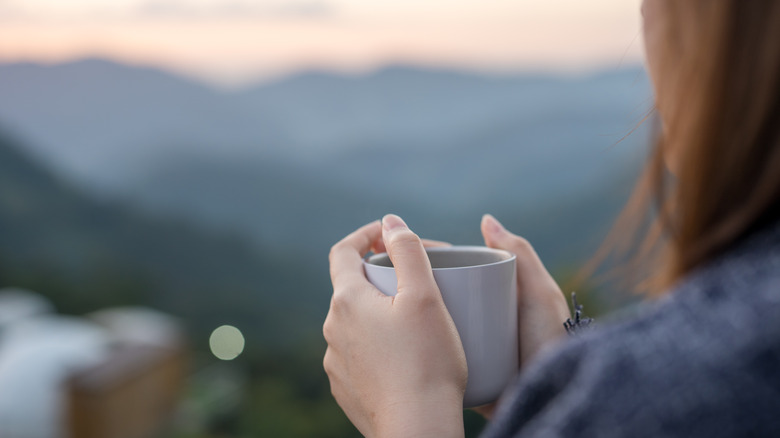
<point>450,258</point>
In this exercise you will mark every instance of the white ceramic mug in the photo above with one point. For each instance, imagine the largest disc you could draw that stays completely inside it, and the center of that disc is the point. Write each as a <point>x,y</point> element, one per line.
<point>479,288</point>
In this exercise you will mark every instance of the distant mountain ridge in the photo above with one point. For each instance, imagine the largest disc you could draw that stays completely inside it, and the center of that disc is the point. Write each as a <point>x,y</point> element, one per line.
<point>285,169</point>
<point>103,123</point>
<point>100,122</point>
<point>269,161</point>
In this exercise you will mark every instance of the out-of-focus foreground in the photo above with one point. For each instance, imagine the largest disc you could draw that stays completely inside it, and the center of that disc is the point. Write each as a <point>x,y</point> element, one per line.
<point>146,212</point>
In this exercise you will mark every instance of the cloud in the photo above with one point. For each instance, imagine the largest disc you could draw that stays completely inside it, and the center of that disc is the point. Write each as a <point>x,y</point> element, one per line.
<point>235,9</point>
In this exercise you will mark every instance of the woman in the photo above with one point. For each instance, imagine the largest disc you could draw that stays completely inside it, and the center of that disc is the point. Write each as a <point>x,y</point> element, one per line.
<point>704,360</point>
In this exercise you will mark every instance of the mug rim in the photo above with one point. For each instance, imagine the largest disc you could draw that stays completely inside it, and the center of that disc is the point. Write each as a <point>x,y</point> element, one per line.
<point>509,257</point>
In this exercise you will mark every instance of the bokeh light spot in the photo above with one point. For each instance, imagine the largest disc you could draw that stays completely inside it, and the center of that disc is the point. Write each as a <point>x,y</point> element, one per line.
<point>226,342</point>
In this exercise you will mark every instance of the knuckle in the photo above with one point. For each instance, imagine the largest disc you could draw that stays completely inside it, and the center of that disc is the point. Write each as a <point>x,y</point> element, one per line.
<point>334,250</point>
<point>327,330</point>
<point>339,279</point>
<point>341,305</point>
<point>338,303</point>
<point>327,362</point>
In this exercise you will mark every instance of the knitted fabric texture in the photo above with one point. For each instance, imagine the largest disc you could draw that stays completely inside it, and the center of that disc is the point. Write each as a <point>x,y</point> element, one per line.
<point>704,361</point>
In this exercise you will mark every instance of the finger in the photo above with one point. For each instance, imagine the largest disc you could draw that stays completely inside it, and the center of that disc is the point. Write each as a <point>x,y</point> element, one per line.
<point>534,281</point>
<point>346,257</point>
<point>406,251</point>
<point>379,245</point>
<point>496,236</point>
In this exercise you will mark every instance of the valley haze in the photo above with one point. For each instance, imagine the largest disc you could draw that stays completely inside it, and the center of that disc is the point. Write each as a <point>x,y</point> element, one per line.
<point>296,163</point>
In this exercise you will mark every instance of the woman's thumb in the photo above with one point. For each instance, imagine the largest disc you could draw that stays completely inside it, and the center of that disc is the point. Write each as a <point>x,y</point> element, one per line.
<point>406,251</point>
<point>496,236</point>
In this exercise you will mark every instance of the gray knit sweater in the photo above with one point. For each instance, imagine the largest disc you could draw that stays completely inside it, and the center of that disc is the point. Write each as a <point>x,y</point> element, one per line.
<point>702,362</point>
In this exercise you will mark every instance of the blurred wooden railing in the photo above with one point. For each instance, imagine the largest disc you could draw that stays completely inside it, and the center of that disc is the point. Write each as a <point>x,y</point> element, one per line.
<point>132,394</point>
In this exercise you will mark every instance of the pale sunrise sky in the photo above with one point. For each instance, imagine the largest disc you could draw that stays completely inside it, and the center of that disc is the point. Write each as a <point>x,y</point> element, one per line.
<point>230,42</point>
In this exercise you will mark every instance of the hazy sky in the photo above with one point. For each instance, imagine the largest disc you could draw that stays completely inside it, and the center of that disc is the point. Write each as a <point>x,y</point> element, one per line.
<point>233,41</point>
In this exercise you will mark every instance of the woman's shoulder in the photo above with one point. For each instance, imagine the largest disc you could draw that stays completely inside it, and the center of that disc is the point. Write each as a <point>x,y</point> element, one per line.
<point>729,302</point>
<point>698,362</point>
<point>749,267</point>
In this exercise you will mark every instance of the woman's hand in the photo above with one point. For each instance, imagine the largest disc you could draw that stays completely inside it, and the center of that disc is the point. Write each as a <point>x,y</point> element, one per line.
<point>541,307</point>
<point>396,365</point>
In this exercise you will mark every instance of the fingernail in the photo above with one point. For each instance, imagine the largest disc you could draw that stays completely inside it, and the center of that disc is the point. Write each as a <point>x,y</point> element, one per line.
<point>391,222</point>
<point>492,224</point>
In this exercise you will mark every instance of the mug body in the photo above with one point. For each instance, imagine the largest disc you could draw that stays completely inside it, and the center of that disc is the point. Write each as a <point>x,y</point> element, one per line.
<point>479,289</point>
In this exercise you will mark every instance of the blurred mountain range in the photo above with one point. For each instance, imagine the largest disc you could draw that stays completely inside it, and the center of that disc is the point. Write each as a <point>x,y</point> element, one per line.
<point>296,163</point>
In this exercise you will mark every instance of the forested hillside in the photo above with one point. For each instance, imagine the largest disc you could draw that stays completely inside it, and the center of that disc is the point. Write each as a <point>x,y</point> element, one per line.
<point>85,253</point>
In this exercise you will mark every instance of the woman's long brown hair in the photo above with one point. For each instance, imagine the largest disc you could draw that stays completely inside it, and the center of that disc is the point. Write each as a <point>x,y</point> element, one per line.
<point>713,177</point>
